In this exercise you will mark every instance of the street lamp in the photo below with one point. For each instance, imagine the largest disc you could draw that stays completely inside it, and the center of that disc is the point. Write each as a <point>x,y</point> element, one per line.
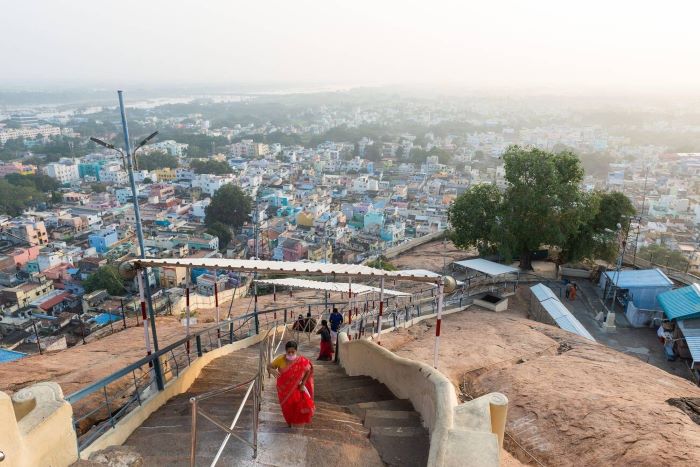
<point>133,154</point>
<point>129,157</point>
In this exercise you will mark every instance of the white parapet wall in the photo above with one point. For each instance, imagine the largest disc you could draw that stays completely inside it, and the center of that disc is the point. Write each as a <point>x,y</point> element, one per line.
<point>469,434</point>
<point>36,428</point>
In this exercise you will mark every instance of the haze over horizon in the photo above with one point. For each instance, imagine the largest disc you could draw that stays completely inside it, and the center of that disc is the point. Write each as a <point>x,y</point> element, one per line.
<point>625,45</point>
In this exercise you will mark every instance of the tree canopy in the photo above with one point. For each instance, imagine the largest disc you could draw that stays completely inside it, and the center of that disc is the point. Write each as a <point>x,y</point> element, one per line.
<point>222,231</point>
<point>664,256</point>
<point>210,166</point>
<point>542,205</point>
<point>229,206</point>
<point>157,160</point>
<point>106,277</point>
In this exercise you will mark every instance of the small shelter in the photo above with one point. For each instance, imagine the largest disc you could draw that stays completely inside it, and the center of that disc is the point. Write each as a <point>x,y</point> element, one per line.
<point>480,269</point>
<point>546,307</point>
<point>637,291</point>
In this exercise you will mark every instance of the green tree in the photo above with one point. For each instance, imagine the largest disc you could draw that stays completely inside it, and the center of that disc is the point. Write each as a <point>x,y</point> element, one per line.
<point>381,263</point>
<point>542,205</point>
<point>373,152</point>
<point>106,277</point>
<point>222,231</point>
<point>663,256</point>
<point>98,187</point>
<point>157,160</point>
<point>230,206</point>
<point>43,183</point>
<point>210,166</point>
<point>473,218</point>
<point>16,198</point>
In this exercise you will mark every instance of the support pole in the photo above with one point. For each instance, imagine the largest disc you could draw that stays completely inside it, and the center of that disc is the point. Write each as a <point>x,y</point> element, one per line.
<point>187,308</point>
<point>438,323</point>
<point>144,316</point>
<point>216,306</point>
<point>381,312</point>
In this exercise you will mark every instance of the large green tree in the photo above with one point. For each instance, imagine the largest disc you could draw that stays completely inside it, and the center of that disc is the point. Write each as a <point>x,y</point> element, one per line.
<point>230,206</point>
<point>157,160</point>
<point>210,166</point>
<point>106,277</point>
<point>542,205</point>
<point>222,231</point>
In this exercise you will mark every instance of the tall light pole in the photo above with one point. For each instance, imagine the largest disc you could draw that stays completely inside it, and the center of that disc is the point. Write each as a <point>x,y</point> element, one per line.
<point>129,159</point>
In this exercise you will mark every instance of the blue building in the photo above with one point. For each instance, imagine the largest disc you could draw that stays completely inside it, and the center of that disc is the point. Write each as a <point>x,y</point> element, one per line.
<point>90,169</point>
<point>103,239</point>
<point>374,220</point>
<point>637,290</point>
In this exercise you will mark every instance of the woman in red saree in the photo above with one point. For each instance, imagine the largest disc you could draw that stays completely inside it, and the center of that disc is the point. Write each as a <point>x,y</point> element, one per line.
<point>295,385</point>
<point>326,351</point>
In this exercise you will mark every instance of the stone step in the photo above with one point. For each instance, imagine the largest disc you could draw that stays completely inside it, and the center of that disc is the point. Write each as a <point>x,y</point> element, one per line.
<point>393,404</point>
<point>401,446</point>
<point>360,394</point>
<point>378,417</point>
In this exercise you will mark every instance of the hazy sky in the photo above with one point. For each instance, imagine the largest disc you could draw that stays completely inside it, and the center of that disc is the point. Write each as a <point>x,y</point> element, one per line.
<point>520,43</point>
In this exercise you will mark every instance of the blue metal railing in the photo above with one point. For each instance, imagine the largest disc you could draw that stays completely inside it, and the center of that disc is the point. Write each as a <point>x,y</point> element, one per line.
<point>99,406</point>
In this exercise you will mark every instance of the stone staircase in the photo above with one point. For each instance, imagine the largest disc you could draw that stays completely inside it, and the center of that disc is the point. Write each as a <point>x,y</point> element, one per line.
<point>358,422</point>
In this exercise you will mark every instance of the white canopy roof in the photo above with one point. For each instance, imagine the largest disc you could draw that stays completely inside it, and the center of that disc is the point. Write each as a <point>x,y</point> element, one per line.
<point>287,267</point>
<point>331,286</point>
<point>487,267</point>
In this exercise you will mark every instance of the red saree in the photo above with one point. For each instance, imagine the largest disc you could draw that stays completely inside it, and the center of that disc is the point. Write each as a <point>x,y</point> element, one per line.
<point>297,405</point>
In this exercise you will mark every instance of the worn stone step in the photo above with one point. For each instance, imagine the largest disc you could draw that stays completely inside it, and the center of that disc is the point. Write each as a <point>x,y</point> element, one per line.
<point>360,394</point>
<point>359,409</point>
<point>378,417</point>
<point>401,446</point>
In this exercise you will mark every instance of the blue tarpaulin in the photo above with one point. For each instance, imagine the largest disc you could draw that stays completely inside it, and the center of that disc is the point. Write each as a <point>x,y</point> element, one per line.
<point>643,285</point>
<point>10,355</point>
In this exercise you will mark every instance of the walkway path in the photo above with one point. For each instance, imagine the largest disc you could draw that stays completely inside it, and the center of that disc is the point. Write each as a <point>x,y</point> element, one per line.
<point>358,422</point>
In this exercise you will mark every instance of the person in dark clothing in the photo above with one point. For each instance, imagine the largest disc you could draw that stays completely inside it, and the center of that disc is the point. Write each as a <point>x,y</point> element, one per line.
<point>336,319</point>
<point>310,323</point>
<point>299,323</point>
<point>326,352</point>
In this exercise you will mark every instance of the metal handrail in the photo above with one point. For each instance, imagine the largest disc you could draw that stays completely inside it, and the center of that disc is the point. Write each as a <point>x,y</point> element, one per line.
<point>255,385</point>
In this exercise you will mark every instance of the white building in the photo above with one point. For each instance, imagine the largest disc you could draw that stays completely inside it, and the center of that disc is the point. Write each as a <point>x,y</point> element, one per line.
<point>62,172</point>
<point>209,184</point>
<point>112,173</point>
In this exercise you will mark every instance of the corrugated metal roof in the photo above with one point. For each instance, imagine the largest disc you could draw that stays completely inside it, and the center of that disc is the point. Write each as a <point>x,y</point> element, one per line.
<point>10,355</point>
<point>542,292</point>
<point>287,267</point>
<point>681,304</point>
<point>691,332</point>
<point>331,286</point>
<point>635,278</point>
<point>487,267</point>
<point>558,311</point>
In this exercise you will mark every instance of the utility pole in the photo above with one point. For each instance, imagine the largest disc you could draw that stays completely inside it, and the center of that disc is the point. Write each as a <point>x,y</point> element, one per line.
<point>139,234</point>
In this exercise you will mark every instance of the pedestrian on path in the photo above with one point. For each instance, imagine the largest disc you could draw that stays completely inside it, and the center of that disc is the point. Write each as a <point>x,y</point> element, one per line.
<point>295,385</point>
<point>567,291</point>
<point>572,292</point>
<point>336,319</point>
<point>326,352</point>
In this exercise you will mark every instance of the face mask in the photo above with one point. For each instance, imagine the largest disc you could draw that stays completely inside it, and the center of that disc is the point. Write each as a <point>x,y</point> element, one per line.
<point>291,358</point>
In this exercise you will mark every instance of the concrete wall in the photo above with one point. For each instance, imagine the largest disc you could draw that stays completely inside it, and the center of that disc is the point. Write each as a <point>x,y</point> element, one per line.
<point>460,434</point>
<point>36,428</point>
<point>198,301</point>
<point>176,386</point>
<point>397,250</point>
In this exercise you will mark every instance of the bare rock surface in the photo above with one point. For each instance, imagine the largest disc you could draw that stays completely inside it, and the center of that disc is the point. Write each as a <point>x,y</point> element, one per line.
<point>572,402</point>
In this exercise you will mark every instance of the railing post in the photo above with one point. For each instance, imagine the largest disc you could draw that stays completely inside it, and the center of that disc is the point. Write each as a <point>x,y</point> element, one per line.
<point>193,435</point>
<point>230,333</point>
<point>199,345</point>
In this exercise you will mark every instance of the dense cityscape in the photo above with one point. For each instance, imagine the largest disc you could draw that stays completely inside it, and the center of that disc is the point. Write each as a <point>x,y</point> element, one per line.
<point>358,234</point>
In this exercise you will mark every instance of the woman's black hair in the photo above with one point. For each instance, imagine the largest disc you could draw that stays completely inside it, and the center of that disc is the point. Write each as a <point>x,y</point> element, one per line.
<point>324,322</point>
<point>291,345</point>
